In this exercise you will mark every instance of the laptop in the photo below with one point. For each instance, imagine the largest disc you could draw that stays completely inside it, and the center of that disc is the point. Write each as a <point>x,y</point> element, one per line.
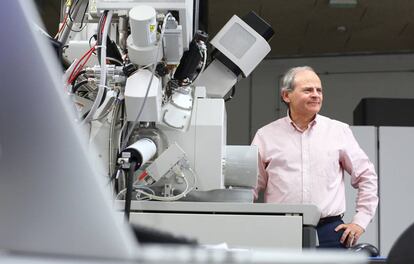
<point>52,201</point>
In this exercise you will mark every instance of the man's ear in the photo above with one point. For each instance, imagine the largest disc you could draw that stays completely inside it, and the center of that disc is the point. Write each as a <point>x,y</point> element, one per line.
<point>285,96</point>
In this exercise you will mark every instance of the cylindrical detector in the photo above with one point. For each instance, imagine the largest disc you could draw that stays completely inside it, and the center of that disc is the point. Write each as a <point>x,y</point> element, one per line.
<point>142,20</point>
<point>142,151</point>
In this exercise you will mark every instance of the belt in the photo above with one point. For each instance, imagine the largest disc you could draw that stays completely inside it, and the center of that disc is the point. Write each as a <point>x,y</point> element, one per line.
<point>330,219</point>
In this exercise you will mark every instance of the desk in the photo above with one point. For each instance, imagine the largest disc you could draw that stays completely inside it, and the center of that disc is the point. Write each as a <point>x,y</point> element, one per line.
<point>239,225</point>
<point>186,255</point>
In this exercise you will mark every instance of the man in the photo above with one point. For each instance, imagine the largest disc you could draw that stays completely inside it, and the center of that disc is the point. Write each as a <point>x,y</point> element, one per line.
<point>302,158</point>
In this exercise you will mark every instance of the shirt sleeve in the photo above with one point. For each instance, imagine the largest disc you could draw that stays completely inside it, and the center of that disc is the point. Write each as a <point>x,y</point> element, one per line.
<point>363,177</point>
<point>263,176</point>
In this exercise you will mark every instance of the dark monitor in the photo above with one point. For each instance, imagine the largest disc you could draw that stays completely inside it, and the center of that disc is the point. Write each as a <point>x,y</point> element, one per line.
<point>384,112</point>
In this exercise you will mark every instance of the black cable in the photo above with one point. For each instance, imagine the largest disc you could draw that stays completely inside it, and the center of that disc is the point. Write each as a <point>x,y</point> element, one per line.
<point>128,195</point>
<point>77,76</point>
<point>79,84</point>
<point>113,176</point>
<point>103,99</point>
<point>233,92</point>
<point>81,27</point>
<point>94,36</point>
<point>84,13</point>
<point>124,134</point>
<point>122,117</point>
<point>71,10</point>
<point>99,35</point>
<point>115,61</point>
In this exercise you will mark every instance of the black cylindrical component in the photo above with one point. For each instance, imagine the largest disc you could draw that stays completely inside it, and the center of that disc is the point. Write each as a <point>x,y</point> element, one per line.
<point>188,63</point>
<point>216,54</point>
<point>259,25</point>
<point>136,157</point>
<point>191,58</point>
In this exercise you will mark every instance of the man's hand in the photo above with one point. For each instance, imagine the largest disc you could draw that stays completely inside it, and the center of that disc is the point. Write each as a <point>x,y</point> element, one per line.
<point>351,234</point>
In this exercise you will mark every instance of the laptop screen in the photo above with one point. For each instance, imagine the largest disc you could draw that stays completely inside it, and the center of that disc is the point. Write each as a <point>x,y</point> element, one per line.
<point>51,199</point>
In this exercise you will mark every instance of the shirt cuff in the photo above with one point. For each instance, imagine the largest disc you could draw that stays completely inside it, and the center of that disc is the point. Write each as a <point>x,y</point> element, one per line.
<point>362,219</point>
<point>255,194</point>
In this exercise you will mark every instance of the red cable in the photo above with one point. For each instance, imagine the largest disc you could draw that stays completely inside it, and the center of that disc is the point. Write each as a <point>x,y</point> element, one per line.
<point>78,68</point>
<point>142,175</point>
<point>103,24</point>
<point>63,25</point>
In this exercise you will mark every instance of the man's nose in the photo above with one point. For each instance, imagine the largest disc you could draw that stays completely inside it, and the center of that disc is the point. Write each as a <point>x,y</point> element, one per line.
<point>315,93</point>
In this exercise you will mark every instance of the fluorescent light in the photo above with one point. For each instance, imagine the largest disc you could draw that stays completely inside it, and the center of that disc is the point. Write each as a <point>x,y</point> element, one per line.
<point>343,3</point>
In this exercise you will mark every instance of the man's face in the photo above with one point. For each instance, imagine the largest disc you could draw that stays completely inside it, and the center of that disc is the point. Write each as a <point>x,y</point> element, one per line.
<point>306,98</point>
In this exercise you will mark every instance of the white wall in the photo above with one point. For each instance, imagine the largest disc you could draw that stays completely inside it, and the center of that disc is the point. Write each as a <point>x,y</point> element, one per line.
<point>396,145</point>
<point>346,80</point>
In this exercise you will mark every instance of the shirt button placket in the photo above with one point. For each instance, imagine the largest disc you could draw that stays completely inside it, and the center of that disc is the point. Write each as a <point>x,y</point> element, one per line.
<point>305,167</point>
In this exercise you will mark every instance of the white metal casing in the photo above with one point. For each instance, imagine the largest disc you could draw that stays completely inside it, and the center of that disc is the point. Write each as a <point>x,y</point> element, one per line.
<point>135,89</point>
<point>241,166</point>
<point>204,142</point>
<point>143,25</point>
<point>173,45</point>
<point>160,166</point>
<point>143,55</point>
<point>142,43</point>
<point>210,125</point>
<point>241,44</point>
<point>184,7</point>
<point>217,79</point>
<point>177,111</point>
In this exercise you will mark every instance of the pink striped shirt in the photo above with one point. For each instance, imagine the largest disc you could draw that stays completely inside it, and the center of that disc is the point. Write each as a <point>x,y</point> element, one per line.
<point>306,167</point>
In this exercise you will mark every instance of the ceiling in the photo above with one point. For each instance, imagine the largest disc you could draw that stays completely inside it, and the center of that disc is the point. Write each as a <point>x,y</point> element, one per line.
<point>307,27</point>
<point>314,27</point>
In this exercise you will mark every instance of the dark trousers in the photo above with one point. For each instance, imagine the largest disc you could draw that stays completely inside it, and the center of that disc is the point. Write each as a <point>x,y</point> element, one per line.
<point>328,237</point>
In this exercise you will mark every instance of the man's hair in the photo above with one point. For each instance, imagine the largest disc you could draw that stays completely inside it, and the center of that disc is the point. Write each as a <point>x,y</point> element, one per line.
<point>288,79</point>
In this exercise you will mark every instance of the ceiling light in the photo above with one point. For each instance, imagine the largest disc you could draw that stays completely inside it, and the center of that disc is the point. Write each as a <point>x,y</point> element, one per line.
<point>343,3</point>
<point>341,29</point>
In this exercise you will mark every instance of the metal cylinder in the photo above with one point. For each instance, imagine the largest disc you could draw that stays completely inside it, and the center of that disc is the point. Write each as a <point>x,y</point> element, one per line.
<point>123,32</point>
<point>142,20</point>
<point>142,150</point>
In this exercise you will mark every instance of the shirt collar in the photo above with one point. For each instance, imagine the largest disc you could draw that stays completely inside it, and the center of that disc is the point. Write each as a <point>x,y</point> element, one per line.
<point>311,124</point>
